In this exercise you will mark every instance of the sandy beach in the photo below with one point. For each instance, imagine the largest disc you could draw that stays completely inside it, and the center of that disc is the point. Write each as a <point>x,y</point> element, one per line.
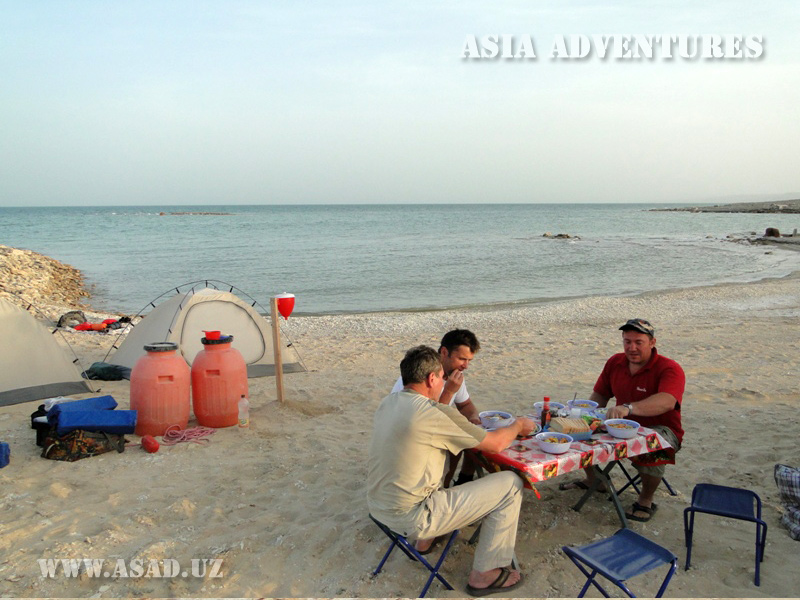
<point>283,503</point>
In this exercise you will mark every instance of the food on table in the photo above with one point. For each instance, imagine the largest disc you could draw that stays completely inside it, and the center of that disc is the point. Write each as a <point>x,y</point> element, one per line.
<point>592,422</point>
<point>620,425</point>
<point>569,425</point>
<point>553,440</point>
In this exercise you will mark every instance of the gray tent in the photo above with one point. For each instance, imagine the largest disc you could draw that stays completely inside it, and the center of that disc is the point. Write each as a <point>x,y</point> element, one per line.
<point>33,366</point>
<point>183,318</point>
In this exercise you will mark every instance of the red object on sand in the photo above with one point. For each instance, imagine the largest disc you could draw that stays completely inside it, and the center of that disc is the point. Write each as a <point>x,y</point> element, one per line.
<point>150,444</point>
<point>160,389</point>
<point>109,321</point>
<point>285,304</point>
<point>219,380</point>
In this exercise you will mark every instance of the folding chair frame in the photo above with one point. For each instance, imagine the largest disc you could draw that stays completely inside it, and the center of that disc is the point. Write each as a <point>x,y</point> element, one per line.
<point>636,479</point>
<point>761,526</point>
<point>596,569</point>
<point>408,549</point>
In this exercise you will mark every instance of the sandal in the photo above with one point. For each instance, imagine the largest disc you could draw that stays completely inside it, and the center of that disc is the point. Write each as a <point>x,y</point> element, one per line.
<point>436,541</point>
<point>497,585</point>
<point>650,510</point>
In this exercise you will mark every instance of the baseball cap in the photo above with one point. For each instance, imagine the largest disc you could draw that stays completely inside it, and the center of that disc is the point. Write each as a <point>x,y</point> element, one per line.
<point>640,325</point>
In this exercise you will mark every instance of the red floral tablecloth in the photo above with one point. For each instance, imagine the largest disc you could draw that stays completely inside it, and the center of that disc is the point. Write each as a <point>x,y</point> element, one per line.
<point>526,456</point>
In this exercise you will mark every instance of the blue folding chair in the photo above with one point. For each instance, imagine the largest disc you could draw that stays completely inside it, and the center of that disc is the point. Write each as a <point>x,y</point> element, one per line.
<point>399,541</point>
<point>620,557</point>
<point>636,479</point>
<point>731,502</point>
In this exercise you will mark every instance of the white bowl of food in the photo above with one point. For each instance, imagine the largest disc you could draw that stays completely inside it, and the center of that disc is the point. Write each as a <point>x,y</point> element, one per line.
<point>553,443</point>
<point>621,428</point>
<point>553,406</point>
<point>494,419</point>
<point>586,405</point>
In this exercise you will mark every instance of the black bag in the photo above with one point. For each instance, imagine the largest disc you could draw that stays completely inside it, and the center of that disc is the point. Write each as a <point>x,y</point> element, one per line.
<point>79,444</point>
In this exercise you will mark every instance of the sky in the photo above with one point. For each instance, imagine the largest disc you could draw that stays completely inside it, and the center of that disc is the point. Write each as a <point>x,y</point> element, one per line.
<point>177,102</point>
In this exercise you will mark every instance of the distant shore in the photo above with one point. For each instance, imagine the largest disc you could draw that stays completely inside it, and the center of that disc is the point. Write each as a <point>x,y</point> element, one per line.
<point>781,207</point>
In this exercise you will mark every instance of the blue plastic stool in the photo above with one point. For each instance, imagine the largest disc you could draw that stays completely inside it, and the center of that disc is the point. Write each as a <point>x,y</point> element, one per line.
<point>620,557</point>
<point>635,480</point>
<point>731,502</point>
<point>399,541</point>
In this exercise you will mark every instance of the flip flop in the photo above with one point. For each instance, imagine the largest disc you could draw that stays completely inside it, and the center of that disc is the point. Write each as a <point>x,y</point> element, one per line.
<point>436,541</point>
<point>497,585</point>
<point>577,485</point>
<point>650,510</point>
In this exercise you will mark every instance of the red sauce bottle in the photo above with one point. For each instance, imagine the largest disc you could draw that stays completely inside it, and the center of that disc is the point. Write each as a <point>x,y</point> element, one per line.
<point>545,419</point>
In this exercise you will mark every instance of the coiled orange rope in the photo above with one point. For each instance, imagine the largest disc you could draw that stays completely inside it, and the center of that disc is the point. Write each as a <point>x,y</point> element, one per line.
<point>175,435</point>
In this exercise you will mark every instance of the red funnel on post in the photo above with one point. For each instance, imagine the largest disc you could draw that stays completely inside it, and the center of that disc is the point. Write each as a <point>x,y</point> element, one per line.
<point>285,304</point>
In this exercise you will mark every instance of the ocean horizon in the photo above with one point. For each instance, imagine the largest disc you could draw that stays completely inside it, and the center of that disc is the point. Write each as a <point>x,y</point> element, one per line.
<point>395,257</point>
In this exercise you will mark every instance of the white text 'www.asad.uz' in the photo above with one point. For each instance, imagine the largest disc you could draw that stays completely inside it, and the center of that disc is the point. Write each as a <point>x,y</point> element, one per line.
<point>121,568</point>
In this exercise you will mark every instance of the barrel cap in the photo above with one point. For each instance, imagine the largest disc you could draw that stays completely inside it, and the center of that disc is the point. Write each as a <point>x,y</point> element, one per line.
<point>161,347</point>
<point>223,339</point>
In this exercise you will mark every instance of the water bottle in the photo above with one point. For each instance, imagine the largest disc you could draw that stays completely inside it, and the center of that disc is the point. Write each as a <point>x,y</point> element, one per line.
<point>244,412</point>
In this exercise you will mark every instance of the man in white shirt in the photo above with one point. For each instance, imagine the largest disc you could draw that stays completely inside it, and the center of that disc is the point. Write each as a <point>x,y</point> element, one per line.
<point>457,349</point>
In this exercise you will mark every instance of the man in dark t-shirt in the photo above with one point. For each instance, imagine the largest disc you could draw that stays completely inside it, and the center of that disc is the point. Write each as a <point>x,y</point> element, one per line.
<point>648,388</point>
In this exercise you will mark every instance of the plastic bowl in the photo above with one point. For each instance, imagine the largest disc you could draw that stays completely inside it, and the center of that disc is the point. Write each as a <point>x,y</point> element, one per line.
<point>582,404</point>
<point>553,406</point>
<point>621,428</point>
<point>552,447</point>
<point>494,419</point>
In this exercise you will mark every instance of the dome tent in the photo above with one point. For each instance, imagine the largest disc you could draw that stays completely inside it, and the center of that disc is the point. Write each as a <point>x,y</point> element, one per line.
<point>36,367</point>
<point>184,317</point>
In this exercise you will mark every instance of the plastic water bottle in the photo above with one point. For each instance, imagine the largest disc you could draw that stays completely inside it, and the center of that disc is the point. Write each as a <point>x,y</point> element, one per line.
<point>244,412</point>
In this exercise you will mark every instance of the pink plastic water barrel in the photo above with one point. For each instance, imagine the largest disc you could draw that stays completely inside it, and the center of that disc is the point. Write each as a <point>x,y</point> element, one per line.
<point>219,379</point>
<point>160,389</point>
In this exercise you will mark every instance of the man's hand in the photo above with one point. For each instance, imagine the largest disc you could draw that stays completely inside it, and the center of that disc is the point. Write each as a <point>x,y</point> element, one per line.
<point>454,382</point>
<point>527,426</point>
<point>618,412</point>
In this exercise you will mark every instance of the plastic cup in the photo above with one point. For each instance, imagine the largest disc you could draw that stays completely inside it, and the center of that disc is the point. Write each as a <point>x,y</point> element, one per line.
<point>211,335</point>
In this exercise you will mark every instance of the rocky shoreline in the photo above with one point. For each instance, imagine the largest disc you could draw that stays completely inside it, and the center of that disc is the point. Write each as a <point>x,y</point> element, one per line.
<point>781,207</point>
<point>48,284</point>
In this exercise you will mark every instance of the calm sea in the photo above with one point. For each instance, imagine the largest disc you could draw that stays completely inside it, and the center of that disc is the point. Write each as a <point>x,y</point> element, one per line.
<point>387,257</point>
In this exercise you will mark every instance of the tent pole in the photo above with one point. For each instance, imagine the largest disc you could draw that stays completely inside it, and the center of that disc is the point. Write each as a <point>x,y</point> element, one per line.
<point>276,345</point>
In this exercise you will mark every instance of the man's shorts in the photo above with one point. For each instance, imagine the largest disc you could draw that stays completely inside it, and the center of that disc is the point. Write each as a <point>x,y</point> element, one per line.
<point>669,435</point>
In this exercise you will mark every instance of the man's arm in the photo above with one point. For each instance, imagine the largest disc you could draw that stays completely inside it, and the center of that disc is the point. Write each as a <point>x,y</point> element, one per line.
<point>469,411</point>
<point>654,405</point>
<point>601,400</point>
<point>500,439</point>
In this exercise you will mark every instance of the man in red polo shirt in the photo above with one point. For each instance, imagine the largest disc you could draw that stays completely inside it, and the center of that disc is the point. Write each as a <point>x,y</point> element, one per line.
<point>648,389</point>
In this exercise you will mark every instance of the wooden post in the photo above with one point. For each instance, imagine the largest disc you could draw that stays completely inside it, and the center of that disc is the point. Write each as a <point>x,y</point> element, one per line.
<point>276,345</point>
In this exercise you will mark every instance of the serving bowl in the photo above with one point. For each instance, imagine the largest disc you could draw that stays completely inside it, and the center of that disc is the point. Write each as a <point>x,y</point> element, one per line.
<point>582,404</point>
<point>553,406</point>
<point>621,428</point>
<point>552,447</point>
<point>494,419</point>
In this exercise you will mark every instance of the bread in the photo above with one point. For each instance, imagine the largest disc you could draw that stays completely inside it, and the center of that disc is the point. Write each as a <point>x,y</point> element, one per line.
<point>567,425</point>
